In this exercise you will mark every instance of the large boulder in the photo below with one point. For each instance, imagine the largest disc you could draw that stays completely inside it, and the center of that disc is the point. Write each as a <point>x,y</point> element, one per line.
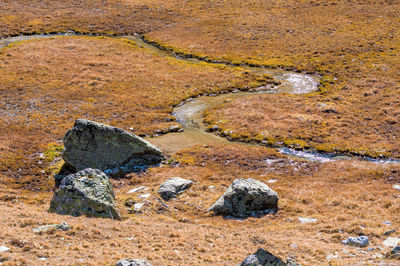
<point>246,197</point>
<point>87,192</point>
<point>173,186</point>
<point>93,145</point>
<point>262,258</point>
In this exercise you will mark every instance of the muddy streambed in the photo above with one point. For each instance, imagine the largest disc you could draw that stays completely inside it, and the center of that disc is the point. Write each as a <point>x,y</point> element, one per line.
<point>190,113</point>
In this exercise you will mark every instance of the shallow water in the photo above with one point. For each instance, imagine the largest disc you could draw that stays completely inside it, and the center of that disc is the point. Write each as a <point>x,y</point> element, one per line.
<point>190,113</point>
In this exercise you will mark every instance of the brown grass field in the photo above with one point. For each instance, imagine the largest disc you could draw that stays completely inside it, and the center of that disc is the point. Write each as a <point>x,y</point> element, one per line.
<point>46,84</point>
<point>185,234</point>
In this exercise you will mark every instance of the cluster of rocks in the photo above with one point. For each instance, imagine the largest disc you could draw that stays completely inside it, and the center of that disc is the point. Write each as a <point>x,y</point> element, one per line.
<point>260,258</point>
<point>93,150</point>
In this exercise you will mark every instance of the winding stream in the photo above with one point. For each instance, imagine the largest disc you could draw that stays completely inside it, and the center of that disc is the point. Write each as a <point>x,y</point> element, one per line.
<point>190,113</point>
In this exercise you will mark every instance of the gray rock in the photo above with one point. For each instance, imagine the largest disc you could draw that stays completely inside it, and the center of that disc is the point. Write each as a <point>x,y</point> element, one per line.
<point>132,262</point>
<point>262,258</point>
<point>173,186</point>
<point>395,252</point>
<point>87,192</point>
<point>388,233</point>
<point>48,227</point>
<point>93,145</point>
<point>246,197</point>
<point>361,241</point>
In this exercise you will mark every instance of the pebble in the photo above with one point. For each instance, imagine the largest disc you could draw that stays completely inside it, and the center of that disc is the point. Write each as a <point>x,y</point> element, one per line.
<point>133,190</point>
<point>4,249</point>
<point>391,241</point>
<point>396,187</point>
<point>387,222</point>
<point>145,196</point>
<point>138,206</point>
<point>272,181</point>
<point>331,256</point>
<point>388,233</point>
<point>304,220</point>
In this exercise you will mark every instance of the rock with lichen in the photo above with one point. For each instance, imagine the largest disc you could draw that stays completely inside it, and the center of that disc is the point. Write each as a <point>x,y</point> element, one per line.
<point>94,145</point>
<point>87,192</point>
<point>246,197</point>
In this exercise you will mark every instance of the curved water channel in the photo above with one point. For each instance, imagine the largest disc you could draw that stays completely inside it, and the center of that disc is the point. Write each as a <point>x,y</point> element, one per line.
<point>190,113</point>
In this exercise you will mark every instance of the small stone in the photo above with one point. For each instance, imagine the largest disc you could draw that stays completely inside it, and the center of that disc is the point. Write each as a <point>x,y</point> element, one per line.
<point>391,242</point>
<point>388,233</point>
<point>293,245</point>
<point>211,188</point>
<point>262,257</point>
<point>4,249</point>
<point>272,181</point>
<point>304,220</point>
<point>49,227</point>
<point>133,190</point>
<point>395,252</point>
<point>145,196</point>
<point>173,186</point>
<point>132,262</point>
<point>387,222</point>
<point>361,241</point>
<point>331,256</point>
<point>396,187</point>
<point>137,206</point>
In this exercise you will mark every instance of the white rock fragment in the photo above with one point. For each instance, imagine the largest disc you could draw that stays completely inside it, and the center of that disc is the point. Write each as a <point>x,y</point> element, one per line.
<point>138,206</point>
<point>145,196</point>
<point>4,249</point>
<point>391,242</point>
<point>133,190</point>
<point>304,220</point>
<point>396,187</point>
<point>272,181</point>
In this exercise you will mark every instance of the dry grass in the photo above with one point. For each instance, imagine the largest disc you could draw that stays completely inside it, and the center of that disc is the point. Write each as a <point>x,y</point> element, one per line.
<point>352,197</point>
<point>353,44</point>
<point>302,122</point>
<point>47,84</point>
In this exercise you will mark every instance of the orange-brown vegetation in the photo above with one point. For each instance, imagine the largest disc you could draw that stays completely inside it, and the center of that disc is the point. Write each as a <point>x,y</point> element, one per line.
<point>47,84</point>
<point>352,44</point>
<point>348,198</point>
<point>302,122</point>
